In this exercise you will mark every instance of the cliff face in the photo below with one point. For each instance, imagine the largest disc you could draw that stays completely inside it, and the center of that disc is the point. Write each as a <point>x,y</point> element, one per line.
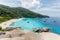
<point>7,13</point>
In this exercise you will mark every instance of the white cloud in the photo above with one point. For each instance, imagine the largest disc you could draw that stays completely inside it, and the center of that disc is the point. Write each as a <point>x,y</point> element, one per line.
<point>48,10</point>
<point>35,5</point>
<point>53,10</point>
<point>22,3</point>
<point>29,3</point>
<point>12,3</point>
<point>54,7</point>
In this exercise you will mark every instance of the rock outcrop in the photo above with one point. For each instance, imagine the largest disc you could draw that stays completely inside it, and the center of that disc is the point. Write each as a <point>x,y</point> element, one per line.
<point>18,34</point>
<point>48,36</point>
<point>45,29</point>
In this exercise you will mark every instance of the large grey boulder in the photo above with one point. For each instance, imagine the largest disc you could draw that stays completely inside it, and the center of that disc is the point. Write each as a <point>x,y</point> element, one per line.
<point>15,38</point>
<point>45,29</point>
<point>30,36</point>
<point>17,32</point>
<point>27,36</point>
<point>48,36</point>
<point>9,28</point>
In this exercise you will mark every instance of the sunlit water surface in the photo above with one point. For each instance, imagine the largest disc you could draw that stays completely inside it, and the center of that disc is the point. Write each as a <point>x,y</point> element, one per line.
<point>32,23</point>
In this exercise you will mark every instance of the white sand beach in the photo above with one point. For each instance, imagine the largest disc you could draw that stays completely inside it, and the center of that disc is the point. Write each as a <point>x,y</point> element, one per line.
<point>7,23</point>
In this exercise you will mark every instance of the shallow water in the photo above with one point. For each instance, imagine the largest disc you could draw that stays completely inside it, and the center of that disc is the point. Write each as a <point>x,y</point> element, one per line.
<point>28,24</point>
<point>32,23</point>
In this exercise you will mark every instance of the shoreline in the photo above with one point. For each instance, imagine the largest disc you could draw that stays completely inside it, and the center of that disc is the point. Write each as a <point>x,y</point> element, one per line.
<point>7,23</point>
<point>24,34</point>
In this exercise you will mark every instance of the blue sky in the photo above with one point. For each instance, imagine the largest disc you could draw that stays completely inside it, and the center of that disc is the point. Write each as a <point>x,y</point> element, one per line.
<point>45,7</point>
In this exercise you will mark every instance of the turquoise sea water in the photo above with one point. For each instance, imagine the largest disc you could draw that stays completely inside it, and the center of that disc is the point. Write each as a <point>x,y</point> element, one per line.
<point>32,23</point>
<point>28,24</point>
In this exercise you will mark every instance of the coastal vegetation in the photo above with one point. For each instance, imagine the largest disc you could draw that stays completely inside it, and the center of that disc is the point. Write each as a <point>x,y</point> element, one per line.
<point>7,13</point>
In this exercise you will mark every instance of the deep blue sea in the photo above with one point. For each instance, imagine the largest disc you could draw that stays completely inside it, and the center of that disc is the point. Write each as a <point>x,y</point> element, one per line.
<point>32,23</point>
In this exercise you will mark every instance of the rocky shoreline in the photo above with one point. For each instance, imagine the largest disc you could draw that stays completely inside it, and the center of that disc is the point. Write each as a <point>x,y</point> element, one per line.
<point>10,33</point>
<point>19,34</point>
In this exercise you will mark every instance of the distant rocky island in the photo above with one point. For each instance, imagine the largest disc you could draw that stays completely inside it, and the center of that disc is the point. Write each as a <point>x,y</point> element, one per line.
<point>7,13</point>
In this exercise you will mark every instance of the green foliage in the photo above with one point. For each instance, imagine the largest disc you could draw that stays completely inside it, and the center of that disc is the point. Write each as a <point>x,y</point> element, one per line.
<point>3,30</point>
<point>7,13</point>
